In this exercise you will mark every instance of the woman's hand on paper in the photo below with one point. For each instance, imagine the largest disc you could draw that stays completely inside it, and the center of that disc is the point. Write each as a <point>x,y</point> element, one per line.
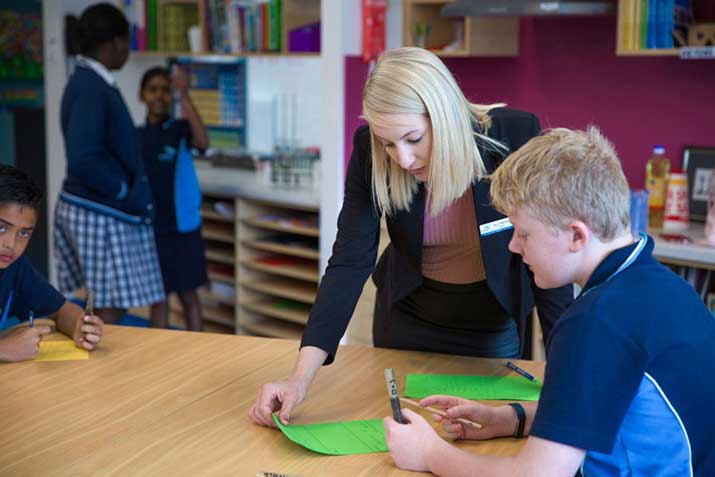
<point>281,397</point>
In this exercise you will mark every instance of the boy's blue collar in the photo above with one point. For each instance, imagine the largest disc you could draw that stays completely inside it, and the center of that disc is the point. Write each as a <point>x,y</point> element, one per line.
<point>614,260</point>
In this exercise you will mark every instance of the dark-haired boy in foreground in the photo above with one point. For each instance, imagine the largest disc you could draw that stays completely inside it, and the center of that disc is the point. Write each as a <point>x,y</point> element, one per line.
<point>23,291</point>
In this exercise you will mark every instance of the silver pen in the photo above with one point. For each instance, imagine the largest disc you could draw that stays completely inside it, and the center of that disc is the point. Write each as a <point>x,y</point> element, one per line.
<point>394,396</point>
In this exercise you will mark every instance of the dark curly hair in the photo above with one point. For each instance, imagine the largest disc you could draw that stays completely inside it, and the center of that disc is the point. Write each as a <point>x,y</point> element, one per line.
<point>16,187</point>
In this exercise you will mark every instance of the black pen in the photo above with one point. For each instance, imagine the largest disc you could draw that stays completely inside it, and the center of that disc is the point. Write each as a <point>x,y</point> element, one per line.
<point>520,371</point>
<point>394,397</point>
<point>89,309</point>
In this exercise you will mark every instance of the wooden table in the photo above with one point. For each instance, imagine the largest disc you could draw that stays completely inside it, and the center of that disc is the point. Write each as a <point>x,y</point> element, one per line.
<point>157,402</point>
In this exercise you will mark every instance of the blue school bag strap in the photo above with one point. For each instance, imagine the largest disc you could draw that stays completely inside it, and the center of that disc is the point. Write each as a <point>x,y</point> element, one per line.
<point>187,192</point>
<point>6,311</point>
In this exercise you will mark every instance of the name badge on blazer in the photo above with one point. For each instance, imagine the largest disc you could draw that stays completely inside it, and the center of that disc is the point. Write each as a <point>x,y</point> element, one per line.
<point>494,227</point>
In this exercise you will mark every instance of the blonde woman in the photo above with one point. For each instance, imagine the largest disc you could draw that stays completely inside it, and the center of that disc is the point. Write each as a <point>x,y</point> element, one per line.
<point>447,282</point>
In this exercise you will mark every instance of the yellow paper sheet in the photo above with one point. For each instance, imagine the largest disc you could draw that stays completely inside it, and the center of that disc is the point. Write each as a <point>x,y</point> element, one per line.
<point>60,351</point>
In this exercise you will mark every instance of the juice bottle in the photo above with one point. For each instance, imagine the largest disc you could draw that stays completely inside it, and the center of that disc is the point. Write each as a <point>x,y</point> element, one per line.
<point>657,171</point>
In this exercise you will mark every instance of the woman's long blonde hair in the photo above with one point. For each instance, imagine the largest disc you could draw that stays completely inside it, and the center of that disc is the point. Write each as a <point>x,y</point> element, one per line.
<point>414,81</point>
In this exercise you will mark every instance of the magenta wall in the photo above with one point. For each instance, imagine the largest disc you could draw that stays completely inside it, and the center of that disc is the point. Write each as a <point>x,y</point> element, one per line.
<point>568,74</point>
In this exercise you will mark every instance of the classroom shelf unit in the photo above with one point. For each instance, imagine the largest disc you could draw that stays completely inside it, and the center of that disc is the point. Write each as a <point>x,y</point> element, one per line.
<point>424,25</point>
<point>263,266</point>
<point>638,28</point>
<point>224,27</point>
<point>278,268</point>
<point>218,298</point>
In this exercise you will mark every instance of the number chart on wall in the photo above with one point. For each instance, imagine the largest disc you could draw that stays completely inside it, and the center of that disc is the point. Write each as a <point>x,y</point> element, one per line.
<point>218,90</point>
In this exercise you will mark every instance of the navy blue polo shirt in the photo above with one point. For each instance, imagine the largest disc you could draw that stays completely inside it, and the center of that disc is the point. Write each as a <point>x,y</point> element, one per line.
<point>629,374</point>
<point>23,289</point>
<point>160,147</point>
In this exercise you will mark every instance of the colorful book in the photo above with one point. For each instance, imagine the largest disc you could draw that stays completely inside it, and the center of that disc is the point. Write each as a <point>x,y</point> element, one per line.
<point>152,23</point>
<point>664,24</point>
<point>140,20</point>
<point>275,12</point>
<point>636,40</point>
<point>643,36</point>
<point>653,6</point>
<point>627,24</point>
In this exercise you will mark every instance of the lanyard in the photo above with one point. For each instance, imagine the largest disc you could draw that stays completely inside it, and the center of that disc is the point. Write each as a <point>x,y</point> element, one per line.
<point>627,263</point>
<point>6,311</point>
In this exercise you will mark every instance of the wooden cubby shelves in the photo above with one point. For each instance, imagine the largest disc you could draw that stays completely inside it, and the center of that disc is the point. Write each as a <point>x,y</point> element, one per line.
<point>263,266</point>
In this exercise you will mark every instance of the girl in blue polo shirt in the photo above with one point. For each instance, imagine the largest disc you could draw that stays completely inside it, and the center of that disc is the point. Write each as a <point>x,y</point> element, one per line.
<point>166,144</point>
<point>104,237</point>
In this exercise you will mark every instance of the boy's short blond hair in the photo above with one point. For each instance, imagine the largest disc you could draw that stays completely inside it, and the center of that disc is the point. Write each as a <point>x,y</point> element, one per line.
<point>565,175</point>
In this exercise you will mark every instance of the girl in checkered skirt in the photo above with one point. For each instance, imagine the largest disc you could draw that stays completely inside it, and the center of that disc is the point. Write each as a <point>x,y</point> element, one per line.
<point>104,238</point>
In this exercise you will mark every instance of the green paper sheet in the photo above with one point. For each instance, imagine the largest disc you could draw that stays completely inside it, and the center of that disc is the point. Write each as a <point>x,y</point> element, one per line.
<point>472,387</point>
<point>338,438</point>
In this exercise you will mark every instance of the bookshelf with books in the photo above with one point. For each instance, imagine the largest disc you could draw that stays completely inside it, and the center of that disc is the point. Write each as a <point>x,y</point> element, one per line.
<point>424,26</point>
<point>224,27</point>
<point>661,28</point>
<point>278,268</point>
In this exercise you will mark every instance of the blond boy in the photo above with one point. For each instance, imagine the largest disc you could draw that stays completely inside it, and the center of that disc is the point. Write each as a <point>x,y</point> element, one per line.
<point>628,386</point>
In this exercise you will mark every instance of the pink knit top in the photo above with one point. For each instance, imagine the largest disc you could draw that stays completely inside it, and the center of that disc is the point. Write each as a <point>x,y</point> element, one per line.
<point>452,252</point>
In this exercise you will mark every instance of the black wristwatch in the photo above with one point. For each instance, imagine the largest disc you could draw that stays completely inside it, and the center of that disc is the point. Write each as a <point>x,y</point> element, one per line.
<point>521,415</point>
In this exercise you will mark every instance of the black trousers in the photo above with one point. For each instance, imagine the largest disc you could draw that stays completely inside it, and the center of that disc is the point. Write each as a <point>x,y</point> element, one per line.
<point>446,318</point>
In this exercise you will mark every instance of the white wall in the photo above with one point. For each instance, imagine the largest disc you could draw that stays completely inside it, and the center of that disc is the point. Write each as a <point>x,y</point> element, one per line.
<point>268,77</point>
<point>393,24</point>
<point>338,37</point>
<point>53,12</point>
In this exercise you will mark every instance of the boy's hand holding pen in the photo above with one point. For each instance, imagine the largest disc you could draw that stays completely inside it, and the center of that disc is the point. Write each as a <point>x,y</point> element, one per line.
<point>394,396</point>
<point>395,400</point>
<point>466,419</point>
<point>88,329</point>
<point>441,413</point>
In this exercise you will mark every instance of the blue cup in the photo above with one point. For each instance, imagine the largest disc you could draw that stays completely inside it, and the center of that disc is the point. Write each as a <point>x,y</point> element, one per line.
<point>639,211</point>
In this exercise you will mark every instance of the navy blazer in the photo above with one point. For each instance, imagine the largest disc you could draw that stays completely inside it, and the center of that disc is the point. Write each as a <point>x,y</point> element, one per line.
<point>105,172</point>
<point>399,271</point>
